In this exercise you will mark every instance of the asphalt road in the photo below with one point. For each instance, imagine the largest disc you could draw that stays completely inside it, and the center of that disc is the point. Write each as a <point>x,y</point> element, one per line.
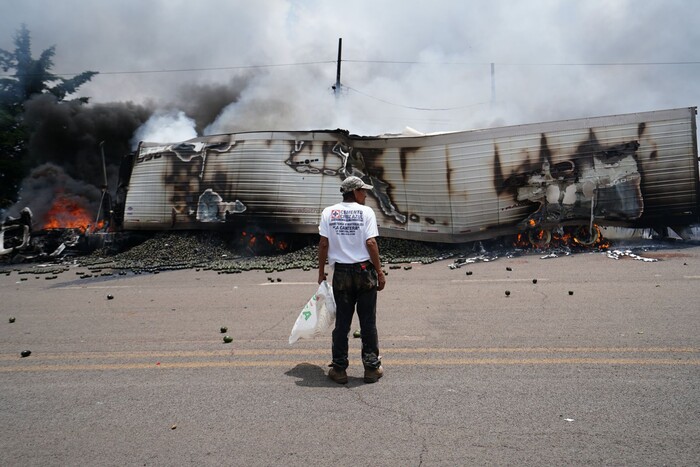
<point>598,363</point>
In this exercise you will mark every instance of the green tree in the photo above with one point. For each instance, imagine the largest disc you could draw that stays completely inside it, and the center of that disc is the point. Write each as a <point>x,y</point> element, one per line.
<point>29,77</point>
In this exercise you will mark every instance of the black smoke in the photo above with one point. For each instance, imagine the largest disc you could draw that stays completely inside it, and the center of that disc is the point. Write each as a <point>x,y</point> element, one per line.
<point>204,103</point>
<point>64,150</point>
<point>48,184</point>
<point>67,139</point>
<point>68,134</point>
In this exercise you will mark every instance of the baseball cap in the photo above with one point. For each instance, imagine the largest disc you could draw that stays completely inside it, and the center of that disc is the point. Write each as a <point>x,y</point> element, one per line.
<point>353,183</point>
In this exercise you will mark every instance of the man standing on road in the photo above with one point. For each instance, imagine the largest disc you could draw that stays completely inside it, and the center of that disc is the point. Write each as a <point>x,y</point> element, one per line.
<point>348,241</point>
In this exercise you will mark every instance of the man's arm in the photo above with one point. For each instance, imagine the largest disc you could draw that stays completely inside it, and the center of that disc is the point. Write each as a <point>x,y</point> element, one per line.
<point>322,257</point>
<point>373,250</point>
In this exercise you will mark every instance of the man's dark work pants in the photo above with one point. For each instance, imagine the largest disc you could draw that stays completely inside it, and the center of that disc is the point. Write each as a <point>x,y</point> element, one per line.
<point>355,285</point>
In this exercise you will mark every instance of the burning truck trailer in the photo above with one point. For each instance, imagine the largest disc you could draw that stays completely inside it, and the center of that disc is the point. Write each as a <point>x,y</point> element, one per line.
<point>540,183</point>
<point>537,182</point>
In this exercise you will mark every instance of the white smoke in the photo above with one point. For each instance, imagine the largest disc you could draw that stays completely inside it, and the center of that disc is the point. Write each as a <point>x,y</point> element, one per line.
<point>165,128</point>
<point>405,63</point>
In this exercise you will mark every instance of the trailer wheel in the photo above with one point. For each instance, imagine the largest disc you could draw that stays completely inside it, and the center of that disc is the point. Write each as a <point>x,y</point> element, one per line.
<point>584,236</point>
<point>539,237</point>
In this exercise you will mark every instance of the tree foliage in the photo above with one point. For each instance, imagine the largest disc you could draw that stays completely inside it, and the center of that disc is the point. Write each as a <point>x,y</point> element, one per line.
<point>27,78</point>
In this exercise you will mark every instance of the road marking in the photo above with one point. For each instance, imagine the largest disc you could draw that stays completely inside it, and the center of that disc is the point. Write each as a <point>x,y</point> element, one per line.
<point>322,363</point>
<point>303,352</point>
<point>497,280</point>
<point>171,354</point>
<point>289,283</point>
<point>549,350</point>
<point>83,287</point>
<point>246,358</point>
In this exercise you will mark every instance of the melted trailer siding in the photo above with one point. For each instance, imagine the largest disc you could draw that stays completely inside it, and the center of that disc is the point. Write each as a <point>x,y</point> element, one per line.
<point>635,170</point>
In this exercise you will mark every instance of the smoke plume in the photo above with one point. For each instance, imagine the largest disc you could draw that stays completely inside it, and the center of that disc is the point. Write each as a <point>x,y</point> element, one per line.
<point>47,185</point>
<point>165,127</point>
<point>69,134</point>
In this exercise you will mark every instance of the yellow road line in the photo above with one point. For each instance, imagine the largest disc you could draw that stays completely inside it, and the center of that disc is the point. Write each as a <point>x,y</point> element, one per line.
<point>391,350</point>
<point>496,280</point>
<point>547,350</point>
<point>322,363</point>
<point>288,283</point>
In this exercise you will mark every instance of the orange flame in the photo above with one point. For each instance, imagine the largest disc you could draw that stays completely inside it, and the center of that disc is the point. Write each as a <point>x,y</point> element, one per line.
<point>66,213</point>
<point>521,241</point>
<point>567,238</point>
<point>258,242</point>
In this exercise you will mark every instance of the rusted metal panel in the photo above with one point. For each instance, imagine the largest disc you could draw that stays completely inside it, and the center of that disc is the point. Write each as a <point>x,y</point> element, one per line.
<point>636,169</point>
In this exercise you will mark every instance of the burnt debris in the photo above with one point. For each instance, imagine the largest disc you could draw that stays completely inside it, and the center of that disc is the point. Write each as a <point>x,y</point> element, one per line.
<point>119,254</point>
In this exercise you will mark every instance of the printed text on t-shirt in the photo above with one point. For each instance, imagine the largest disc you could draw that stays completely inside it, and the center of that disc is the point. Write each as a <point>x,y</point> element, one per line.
<point>346,222</point>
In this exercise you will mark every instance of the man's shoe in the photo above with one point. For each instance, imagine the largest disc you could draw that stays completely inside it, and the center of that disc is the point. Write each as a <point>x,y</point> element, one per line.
<point>337,375</point>
<point>372,375</point>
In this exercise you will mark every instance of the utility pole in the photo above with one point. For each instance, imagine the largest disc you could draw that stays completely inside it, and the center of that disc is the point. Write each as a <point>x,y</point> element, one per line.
<point>337,86</point>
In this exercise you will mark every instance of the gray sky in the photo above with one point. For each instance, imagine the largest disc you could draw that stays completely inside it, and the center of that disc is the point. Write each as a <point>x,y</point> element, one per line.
<point>544,53</point>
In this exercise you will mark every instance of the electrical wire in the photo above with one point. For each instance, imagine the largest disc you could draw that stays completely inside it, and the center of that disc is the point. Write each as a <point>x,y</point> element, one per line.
<point>398,62</point>
<point>186,70</point>
<point>386,62</point>
<point>344,86</point>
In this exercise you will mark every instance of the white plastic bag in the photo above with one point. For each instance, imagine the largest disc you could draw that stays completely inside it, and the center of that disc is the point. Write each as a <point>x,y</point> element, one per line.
<point>317,316</point>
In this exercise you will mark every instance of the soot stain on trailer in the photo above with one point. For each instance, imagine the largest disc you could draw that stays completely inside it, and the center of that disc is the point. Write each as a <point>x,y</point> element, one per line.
<point>196,193</point>
<point>545,152</point>
<point>448,171</point>
<point>499,180</point>
<point>365,165</point>
<point>577,187</point>
<point>382,189</point>
<point>302,159</point>
<point>403,160</point>
<point>181,174</point>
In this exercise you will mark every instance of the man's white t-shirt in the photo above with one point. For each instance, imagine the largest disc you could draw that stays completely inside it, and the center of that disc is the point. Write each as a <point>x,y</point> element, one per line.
<point>347,226</point>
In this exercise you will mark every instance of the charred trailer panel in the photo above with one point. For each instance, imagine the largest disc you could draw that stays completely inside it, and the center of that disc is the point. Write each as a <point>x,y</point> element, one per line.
<point>273,180</point>
<point>635,170</point>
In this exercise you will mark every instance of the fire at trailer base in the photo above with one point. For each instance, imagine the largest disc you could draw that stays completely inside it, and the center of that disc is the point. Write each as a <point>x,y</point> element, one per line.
<point>636,170</point>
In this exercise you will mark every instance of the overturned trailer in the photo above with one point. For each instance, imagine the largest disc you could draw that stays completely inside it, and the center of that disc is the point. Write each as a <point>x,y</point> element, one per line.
<point>635,170</point>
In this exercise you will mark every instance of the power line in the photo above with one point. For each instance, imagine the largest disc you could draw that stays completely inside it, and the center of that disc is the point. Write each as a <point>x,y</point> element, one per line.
<point>385,62</point>
<point>240,67</point>
<point>345,86</point>
<point>185,70</point>
<point>398,62</point>
<point>603,64</point>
